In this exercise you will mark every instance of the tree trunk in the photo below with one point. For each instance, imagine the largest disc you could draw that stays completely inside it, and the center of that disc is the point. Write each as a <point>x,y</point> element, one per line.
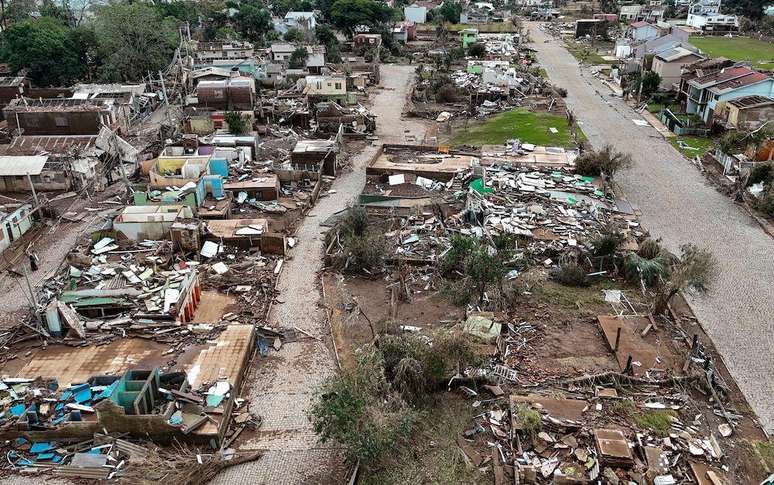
<point>661,304</point>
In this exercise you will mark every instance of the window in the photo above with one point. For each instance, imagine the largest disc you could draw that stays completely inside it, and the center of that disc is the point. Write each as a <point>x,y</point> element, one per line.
<point>61,121</point>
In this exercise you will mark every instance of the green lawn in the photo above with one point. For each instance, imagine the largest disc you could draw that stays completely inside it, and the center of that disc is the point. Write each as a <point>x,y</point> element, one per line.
<point>585,53</point>
<point>760,53</point>
<point>491,28</point>
<point>701,145</point>
<point>522,124</point>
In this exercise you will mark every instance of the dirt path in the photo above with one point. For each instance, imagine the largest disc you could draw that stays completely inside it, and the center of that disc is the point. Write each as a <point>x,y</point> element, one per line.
<point>679,205</point>
<point>284,382</point>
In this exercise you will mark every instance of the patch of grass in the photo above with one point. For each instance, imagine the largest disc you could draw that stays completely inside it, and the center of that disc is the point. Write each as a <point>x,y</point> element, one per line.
<point>659,421</point>
<point>490,28</point>
<point>529,419</point>
<point>519,123</point>
<point>585,53</point>
<point>701,144</point>
<point>765,450</point>
<point>758,52</point>
<point>568,296</point>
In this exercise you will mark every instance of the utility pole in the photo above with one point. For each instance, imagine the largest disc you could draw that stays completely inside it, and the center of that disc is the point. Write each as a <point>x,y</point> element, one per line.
<point>32,187</point>
<point>164,88</point>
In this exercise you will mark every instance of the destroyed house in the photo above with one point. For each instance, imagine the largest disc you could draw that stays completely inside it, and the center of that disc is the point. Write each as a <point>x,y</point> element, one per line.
<point>14,224</point>
<point>315,156</point>
<point>263,187</point>
<point>45,172</point>
<point>176,296</point>
<point>179,167</point>
<point>62,116</point>
<point>235,93</point>
<point>11,87</point>
<point>747,113</point>
<point>140,222</point>
<point>331,115</point>
<point>245,234</point>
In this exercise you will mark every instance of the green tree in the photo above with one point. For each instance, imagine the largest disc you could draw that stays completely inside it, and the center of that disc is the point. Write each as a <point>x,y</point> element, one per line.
<point>450,12</point>
<point>133,40</point>
<point>294,35</point>
<point>47,48</point>
<point>325,36</point>
<point>253,20</point>
<point>298,57</point>
<point>695,270</point>
<point>237,124</point>
<point>749,8</point>
<point>348,14</point>
<point>477,49</point>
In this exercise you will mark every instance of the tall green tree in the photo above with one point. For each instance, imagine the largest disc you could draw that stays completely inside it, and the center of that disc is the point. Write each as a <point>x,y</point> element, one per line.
<point>253,20</point>
<point>47,48</point>
<point>450,11</point>
<point>134,39</point>
<point>348,14</point>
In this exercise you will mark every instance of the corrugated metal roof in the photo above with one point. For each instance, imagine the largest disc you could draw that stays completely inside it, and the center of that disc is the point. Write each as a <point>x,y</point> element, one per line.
<point>14,166</point>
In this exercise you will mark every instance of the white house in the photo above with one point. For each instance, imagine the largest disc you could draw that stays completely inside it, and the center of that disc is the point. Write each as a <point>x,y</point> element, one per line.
<point>300,20</point>
<point>415,13</point>
<point>14,224</point>
<point>705,15</point>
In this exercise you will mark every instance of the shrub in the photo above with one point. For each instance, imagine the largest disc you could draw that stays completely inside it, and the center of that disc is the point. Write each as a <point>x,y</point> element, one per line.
<point>237,124</point>
<point>410,380</point>
<point>651,270</point>
<point>459,249</point>
<point>355,221</point>
<point>649,248</point>
<point>571,274</point>
<point>356,409</point>
<point>765,202</point>
<point>477,49</point>
<point>446,94</point>
<point>607,243</point>
<point>587,164</point>
<point>365,252</point>
<point>459,292</point>
<point>606,161</point>
<point>484,268</point>
<point>763,172</point>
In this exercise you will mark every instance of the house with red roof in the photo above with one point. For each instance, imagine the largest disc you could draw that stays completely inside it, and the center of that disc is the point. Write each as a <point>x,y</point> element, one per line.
<point>708,93</point>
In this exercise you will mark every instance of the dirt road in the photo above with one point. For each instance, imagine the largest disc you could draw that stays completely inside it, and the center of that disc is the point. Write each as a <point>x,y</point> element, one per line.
<point>679,206</point>
<point>285,381</point>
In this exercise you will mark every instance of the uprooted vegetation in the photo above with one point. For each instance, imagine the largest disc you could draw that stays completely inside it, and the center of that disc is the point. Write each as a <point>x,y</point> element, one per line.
<point>371,408</point>
<point>361,246</point>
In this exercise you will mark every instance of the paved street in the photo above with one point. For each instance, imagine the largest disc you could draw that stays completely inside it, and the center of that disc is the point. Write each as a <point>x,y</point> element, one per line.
<point>283,387</point>
<point>679,206</point>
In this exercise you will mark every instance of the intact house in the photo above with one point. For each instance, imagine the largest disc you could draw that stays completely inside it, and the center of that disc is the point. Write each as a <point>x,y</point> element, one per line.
<point>315,60</point>
<point>208,51</point>
<point>300,20</point>
<point>14,223</point>
<point>404,31</point>
<point>669,63</point>
<point>643,31</point>
<point>326,88</point>
<point>677,37</point>
<point>415,13</point>
<point>468,36</point>
<point>629,13</point>
<point>705,15</point>
<point>746,113</point>
<point>705,93</point>
<point>63,116</point>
